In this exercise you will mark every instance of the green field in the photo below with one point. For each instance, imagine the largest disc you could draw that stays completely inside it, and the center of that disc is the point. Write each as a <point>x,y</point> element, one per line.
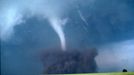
<point>120,73</point>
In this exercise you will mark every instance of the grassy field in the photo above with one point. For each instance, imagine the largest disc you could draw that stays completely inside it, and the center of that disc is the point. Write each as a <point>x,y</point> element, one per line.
<point>120,73</point>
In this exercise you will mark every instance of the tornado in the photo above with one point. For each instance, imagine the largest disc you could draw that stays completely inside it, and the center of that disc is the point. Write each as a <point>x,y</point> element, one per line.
<point>57,24</point>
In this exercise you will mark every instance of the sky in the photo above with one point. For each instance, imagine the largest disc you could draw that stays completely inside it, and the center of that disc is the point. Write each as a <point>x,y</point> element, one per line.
<point>28,27</point>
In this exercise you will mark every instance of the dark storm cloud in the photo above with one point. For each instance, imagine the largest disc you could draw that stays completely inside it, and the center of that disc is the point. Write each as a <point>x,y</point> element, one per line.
<point>56,61</point>
<point>88,24</point>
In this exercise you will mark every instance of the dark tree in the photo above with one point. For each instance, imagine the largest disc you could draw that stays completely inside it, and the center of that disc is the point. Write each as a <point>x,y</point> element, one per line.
<point>124,70</point>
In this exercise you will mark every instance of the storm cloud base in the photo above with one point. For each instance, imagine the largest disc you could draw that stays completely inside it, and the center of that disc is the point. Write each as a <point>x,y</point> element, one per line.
<point>70,61</point>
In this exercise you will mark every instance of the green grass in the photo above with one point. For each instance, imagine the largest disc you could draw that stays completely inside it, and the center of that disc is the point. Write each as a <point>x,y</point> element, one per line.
<point>118,73</point>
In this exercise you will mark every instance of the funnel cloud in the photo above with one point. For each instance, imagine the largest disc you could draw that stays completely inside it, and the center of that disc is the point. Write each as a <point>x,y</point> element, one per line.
<point>58,27</point>
<point>63,29</point>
